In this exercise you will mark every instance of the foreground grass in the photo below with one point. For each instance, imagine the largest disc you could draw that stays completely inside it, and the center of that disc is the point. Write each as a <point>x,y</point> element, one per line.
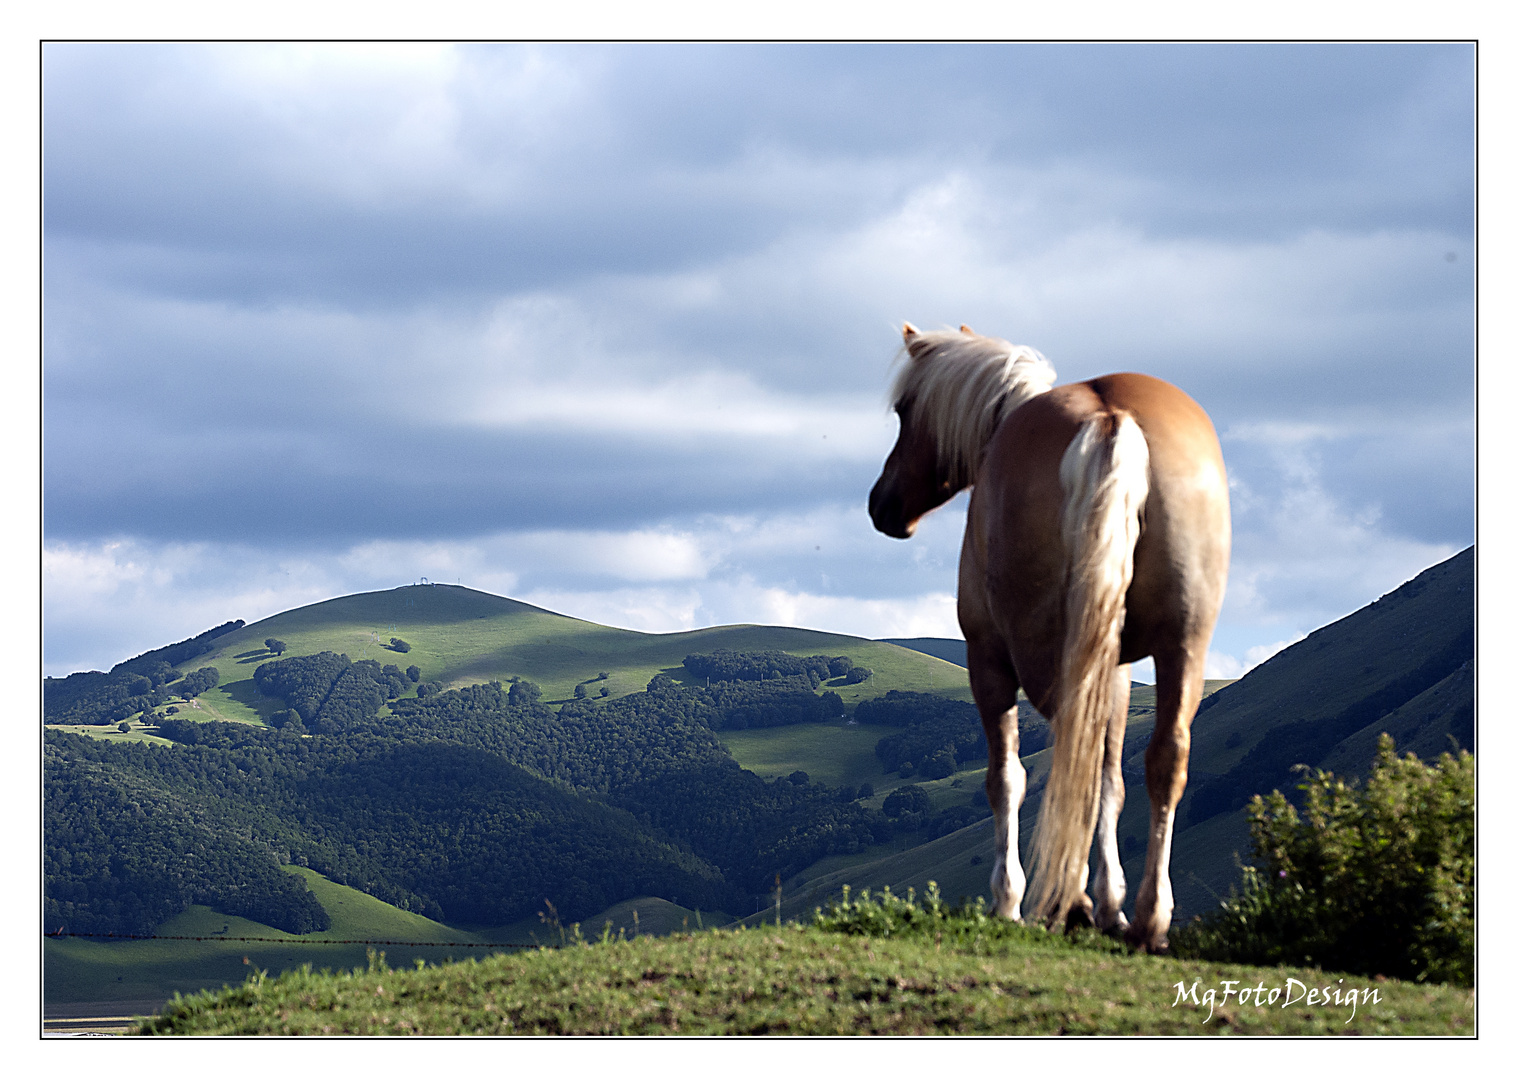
<point>800,980</point>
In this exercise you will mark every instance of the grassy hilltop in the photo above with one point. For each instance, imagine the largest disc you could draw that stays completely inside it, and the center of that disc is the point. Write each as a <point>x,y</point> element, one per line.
<point>460,636</point>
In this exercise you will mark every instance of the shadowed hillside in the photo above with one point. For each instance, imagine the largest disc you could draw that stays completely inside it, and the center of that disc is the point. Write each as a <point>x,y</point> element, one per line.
<point>1403,665</point>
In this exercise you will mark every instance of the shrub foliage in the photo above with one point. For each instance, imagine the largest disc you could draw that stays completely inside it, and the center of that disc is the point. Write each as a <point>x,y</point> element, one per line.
<point>1377,880</point>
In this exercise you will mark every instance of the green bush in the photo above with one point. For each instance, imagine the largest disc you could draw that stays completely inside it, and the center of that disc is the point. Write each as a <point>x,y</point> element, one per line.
<point>966,924</point>
<point>1376,880</point>
<point>888,915</point>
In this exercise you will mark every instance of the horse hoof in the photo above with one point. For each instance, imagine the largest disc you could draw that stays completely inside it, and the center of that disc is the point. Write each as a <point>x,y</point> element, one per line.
<point>1114,926</point>
<point>1141,943</point>
<point>1078,918</point>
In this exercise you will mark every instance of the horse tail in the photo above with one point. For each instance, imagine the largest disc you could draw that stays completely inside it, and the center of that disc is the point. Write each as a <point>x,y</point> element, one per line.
<point>1105,479</point>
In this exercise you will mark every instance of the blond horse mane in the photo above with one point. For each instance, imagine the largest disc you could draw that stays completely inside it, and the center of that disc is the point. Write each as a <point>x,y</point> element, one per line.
<point>961,385</point>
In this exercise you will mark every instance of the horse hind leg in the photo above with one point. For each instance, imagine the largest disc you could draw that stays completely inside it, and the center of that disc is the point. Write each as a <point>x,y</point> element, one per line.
<point>1109,885</point>
<point>1178,691</point>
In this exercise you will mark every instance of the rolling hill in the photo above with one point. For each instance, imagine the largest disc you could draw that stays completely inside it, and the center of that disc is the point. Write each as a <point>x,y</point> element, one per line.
<point>460,636</point>
<point>468,805</point>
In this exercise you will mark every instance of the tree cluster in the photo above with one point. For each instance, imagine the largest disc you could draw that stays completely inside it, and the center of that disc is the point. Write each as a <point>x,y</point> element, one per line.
<point>123,851</point>
<point>198,682</point>
<point>431,825</point>
<point>654,755</point>
<point>728,665</point>
<point>772,703</point>
<point>941,733</point>
<point>328,692</point>
<point>98,697</point>
<point>180,652</point>
<point>910,807</point>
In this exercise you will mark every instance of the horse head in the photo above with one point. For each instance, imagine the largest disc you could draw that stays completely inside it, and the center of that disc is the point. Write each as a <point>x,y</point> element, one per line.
<point>913,480</point>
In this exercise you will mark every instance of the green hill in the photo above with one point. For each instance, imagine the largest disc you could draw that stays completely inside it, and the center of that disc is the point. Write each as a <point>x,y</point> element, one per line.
<point>950,649</point>
<point>203,948</point>
<point>466,805</point>
<point>460,636</point>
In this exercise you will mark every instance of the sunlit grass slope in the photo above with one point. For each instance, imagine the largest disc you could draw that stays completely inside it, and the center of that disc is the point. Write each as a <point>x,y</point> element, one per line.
<point>460,636</point>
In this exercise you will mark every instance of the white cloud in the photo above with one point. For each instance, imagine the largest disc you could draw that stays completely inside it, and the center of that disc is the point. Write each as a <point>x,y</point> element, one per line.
<point>104,602</point>
<point>1221,665</point>
<point>650,610</point>
<point>1300,560</point>
<point>1256,655</point>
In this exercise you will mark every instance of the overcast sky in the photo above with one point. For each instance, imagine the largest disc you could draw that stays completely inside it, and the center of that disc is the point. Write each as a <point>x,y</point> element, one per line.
<point>609,328</point>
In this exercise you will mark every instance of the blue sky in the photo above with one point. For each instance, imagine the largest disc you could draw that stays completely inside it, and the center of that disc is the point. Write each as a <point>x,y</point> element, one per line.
<point>609,328</point>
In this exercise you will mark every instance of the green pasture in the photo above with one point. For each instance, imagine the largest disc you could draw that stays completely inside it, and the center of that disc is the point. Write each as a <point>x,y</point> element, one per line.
<point>108,733</point>
<point>834,753</point>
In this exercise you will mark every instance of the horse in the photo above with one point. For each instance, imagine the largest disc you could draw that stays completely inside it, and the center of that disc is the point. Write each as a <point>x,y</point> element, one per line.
<point>1097,534</point>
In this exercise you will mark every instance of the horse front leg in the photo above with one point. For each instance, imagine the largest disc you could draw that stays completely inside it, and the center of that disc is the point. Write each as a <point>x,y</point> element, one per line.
<point>1178,690</point>
<point>1109,886</point>
<point>994,683</point>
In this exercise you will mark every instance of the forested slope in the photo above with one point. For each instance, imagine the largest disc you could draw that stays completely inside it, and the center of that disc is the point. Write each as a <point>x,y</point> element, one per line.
<point>472,805</point>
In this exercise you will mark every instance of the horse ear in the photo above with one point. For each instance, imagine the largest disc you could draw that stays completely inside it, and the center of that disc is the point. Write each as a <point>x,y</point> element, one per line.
<point>963,329</point>
<point>908,332</point>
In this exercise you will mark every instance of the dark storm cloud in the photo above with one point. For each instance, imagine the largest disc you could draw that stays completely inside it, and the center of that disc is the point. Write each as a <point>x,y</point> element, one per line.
<point>260,484</point>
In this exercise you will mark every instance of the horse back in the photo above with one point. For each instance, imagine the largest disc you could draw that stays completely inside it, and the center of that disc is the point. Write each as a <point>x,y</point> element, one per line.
<point>1013,541</point>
